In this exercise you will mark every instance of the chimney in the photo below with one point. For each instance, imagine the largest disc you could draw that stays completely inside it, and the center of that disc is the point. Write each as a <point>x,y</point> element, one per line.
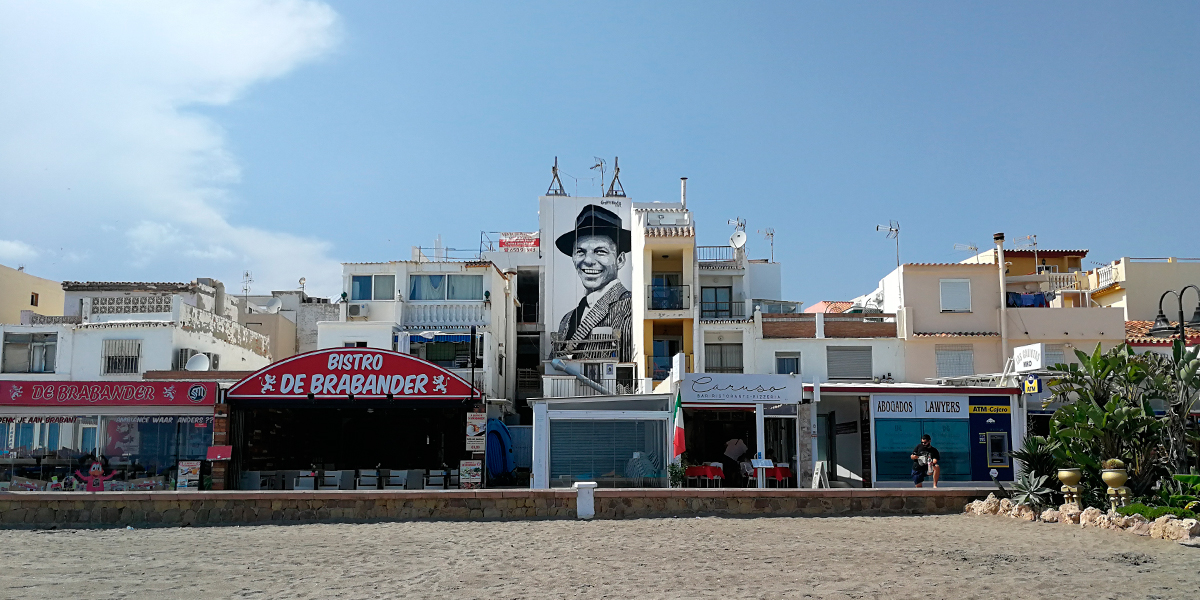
<point>683,191</point>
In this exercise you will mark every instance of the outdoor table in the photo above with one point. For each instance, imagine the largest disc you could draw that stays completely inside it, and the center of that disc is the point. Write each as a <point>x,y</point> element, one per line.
<point>707,472</point>
<point>779,473</point>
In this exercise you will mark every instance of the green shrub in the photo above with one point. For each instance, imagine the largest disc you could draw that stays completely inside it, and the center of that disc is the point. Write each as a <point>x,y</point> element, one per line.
<point>1154,512</point>
<point>1114,463</point>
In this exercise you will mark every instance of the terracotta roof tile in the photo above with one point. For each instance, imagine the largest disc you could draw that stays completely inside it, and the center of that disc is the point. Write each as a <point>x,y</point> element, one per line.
<point>1138,332</point>
<point>830,306</point>
<point>670,231</point>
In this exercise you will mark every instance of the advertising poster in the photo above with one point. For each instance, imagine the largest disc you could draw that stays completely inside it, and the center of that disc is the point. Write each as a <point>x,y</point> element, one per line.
<point>589,271</point>
<point>189,475</point>
<point>476,431</point>
<point>470,474</point>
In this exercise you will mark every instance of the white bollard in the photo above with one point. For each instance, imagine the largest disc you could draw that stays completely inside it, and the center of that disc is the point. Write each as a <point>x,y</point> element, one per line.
<point>585,500</point>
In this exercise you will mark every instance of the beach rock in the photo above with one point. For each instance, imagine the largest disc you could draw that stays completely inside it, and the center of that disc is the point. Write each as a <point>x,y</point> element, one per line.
<point>1050,515</point>
<point>990,506</point>
<point>1089,517</point>
<point>1180,530</point>
<point>972,508</point>
<point>1024,511</point>
<point>1006,507</point>
<point>1158,529</point>
<point>1069,514</point>
<point>1137,525</point>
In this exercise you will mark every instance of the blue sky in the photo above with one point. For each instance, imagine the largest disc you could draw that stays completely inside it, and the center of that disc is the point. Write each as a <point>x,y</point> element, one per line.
<point>371,127</point>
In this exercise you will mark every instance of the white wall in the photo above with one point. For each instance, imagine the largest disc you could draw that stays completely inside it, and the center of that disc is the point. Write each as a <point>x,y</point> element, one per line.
<point>887,355</point>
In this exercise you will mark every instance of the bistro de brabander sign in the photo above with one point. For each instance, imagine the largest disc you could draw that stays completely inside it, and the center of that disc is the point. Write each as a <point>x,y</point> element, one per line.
<point>366,373</point>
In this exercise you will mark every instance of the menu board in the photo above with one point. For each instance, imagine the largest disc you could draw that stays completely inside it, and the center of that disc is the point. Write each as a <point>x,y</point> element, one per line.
<point>189,475</point>
<point>470,474</point>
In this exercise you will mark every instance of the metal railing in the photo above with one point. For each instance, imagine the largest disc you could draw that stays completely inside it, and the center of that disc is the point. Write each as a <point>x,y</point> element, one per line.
<point>659,367</point>
<point>668,297</point>
<point>714,253</point>
<point>723,310</point>
<point>529,379</point>
<point>562,386</point>
<point>723,369</point>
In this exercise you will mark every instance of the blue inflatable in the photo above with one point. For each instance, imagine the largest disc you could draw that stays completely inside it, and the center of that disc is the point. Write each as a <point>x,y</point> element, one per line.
<point>500,460</point>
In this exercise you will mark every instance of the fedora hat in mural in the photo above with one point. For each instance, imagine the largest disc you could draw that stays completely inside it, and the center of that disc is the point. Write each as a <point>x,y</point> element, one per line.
<point>595,220</point>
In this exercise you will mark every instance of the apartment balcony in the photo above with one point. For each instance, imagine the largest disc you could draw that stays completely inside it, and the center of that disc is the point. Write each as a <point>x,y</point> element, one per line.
<point>668,297</point>
<point>437,315</point>
<point>723,310</point>
<point>717,258</point>
<point>566,386</point>
<point>659,367</point>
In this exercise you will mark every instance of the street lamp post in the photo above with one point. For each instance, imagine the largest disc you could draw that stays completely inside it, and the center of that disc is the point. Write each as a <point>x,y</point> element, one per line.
<point>1163,328</point>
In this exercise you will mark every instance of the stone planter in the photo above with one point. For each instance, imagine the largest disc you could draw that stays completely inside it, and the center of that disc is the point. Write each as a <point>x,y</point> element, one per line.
<point>1115,478</point>
<point>1070,476</point>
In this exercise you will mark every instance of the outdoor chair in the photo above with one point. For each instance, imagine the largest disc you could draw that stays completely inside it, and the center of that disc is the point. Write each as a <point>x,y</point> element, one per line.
<point>331,480</point>
<point>396,480</point>
<point>368,479</point>
<point>416,479</point>
<point>453,483</point>
<point>435,479</point>
<point>305,482</point>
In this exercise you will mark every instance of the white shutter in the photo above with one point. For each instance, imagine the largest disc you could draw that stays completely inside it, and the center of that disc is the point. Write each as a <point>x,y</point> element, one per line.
<point>955,360</point>
<point>848,362</point>
<point>956,295</point>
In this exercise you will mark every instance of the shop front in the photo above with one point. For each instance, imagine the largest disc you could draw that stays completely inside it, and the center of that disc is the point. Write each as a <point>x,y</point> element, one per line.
<point>116,436</point>
<point>973,434</point>
<point>352,418</point>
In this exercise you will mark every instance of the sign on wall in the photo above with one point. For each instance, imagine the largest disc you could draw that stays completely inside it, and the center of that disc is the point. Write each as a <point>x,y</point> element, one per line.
<point>920,407</point>
<point>736,388</point>
<point>1029,358</point>
<point>107,393</point>
<point>589,269</point>
<point>516,241</point>
<point>367,373</point>
<point>476,431</point>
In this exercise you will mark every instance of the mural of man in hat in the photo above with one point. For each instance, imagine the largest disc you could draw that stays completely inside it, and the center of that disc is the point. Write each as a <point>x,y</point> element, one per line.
<point>599,248</point>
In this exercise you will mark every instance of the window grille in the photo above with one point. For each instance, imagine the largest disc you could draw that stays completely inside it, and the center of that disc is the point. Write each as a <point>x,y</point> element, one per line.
<point>955,360</point>
<point>1055,354</point>
<point>122,356</point>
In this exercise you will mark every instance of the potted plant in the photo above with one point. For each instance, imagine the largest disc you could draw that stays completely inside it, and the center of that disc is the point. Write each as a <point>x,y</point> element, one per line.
<point>1070,476</point>
<point>1114,473</point>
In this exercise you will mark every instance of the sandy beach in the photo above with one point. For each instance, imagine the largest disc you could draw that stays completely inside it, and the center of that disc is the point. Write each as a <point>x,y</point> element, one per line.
<point>850,557</point>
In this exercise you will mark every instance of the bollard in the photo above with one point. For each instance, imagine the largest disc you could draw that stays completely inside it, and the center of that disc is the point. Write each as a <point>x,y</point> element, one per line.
<point>585,502</point>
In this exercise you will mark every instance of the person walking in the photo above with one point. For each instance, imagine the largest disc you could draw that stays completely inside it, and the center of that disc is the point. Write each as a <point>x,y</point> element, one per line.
<point>925,462</point>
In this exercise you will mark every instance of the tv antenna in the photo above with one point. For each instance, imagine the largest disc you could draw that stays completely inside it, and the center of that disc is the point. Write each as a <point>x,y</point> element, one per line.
<point>615,189</point>
<point>1029,241</point>
<point>600,164</point>
<point>556,186</point>
<point>972,248</point>
<point>739,224</point>
<point>247,279</point>
<point>893,233</point>
<point>302,282</point>
<point>769,235</point>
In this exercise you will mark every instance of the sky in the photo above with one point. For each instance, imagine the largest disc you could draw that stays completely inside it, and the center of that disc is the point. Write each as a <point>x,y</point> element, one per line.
<point>150,141</point>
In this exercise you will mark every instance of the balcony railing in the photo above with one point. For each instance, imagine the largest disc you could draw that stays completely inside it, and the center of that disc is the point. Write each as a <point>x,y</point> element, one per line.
<point>563,386</point>
<point>714,253</point>
<point>723,369</point>
<point>1106,276</point>
<point>668,297</point>
<point>528,313</point>
<point>660,366</point>
<point>445,314</point>
<point>723,310</point>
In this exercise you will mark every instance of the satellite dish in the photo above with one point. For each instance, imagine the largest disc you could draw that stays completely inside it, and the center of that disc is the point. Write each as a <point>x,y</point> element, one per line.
<point>738,239</point>
<point>273,305</point>
<point>198,362</point>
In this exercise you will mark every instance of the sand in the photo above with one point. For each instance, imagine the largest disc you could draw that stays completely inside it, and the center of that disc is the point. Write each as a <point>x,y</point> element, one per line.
<point>953,556</point>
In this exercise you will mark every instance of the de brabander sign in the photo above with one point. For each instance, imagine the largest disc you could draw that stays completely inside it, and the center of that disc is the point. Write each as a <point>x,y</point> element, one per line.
<point>719,388</point>
<point>358,372</point>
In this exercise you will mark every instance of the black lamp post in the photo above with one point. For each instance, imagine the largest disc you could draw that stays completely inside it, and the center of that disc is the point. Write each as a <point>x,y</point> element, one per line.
<point>1163,328</point>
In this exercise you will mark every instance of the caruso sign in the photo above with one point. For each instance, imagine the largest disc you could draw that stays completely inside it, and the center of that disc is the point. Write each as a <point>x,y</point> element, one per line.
<point>107,393</point>
<point>728,388</point>
<point>358,372</point>
<point>924,407</point>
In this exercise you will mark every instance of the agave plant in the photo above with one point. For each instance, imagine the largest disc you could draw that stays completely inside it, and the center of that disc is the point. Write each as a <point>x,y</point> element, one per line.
<point>1030,490</point>
<point>1037,454</point>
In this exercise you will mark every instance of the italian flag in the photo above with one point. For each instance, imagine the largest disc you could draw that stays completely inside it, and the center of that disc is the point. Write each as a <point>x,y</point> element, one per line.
<point>679,445</point>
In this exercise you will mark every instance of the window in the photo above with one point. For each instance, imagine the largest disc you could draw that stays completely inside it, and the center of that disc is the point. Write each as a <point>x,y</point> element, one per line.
<point>717,303</point>
<point>33,299</point>
<point>122,356</point>
<point>445,287</point>
<point>360,287</point>
<point>464,287</point>
<point>617,453</point>
<point>956,295</point>
<point>848,362</point>
<point>723,358</point>
<point>29,352</point>
<point>1056,354</point>
<point>1047,269</point>
<point>787,363</point>
<point>354,345</point>
<point>385,287</point>
<point>955,360</point>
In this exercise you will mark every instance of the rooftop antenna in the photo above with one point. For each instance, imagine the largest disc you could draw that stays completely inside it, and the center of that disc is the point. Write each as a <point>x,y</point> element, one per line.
<point>600,164</point>
<point>615,189</point>
<point>972,248</point>
<point>247,279</point>
<point>302,282</point>
<point>893,233</point>
<point>769,235</point>
<point>739,224</point>
<point>556,186</point>
<point>1030,241</point>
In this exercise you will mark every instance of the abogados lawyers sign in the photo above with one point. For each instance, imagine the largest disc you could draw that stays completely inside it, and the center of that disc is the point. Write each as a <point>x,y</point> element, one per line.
<point>365,373</point>
<point>727,388</point>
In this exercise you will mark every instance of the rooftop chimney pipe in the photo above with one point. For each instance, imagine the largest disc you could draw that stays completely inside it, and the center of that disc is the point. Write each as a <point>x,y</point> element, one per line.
<point>683,191</point>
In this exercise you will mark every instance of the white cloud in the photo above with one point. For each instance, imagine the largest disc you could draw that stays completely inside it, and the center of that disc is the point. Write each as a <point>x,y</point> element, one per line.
<point>11,250</point>
<point>97,143</point>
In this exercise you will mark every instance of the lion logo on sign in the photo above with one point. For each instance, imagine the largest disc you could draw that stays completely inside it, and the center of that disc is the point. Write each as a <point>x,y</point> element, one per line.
<point>268,383</point>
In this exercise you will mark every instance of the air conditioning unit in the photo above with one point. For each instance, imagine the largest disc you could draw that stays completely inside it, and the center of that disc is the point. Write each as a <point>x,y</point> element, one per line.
<point>357,310</point>
<point>214,361</point>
